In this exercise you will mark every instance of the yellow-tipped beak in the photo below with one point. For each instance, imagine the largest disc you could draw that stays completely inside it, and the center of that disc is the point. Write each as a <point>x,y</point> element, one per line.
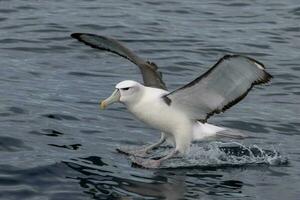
<point>102,105</point>
<point>114,97</point>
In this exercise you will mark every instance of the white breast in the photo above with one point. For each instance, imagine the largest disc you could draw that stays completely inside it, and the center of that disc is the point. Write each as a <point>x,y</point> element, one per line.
<point>152,110</point>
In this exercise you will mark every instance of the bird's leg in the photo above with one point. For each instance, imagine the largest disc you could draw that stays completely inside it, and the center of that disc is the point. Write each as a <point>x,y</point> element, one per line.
<point>152,146</point>
<point>143,152</point>
<point>172,154</point>
<point>182,142</point>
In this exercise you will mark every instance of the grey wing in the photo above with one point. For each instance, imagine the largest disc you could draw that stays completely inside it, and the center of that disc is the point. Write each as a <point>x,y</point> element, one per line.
<point>222,86</point>
<point>151,76</point>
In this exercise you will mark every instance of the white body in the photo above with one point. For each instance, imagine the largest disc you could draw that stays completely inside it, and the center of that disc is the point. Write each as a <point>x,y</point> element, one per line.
<point>152,110</point>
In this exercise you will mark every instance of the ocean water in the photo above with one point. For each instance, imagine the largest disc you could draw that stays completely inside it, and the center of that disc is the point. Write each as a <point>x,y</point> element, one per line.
<point>55,143</point>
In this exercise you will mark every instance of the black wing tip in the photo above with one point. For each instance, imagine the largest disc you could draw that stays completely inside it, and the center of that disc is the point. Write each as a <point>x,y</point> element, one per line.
<point>78,35</point>
<point>266,76</point>
<point>265,79</point>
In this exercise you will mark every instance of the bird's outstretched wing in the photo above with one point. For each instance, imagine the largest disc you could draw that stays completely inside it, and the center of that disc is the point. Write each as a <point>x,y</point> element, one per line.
<point>151,76</point>
<point>222,86</point>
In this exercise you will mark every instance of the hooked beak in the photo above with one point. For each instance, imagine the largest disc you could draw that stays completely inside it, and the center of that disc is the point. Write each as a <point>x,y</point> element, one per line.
<point>114,97</point>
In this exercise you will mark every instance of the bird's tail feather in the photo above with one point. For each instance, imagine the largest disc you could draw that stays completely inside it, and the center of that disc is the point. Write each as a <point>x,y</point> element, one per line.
<point>203,131</point>
<point>231,133</point>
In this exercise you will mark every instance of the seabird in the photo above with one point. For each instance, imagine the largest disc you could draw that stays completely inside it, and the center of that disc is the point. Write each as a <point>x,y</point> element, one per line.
<point>180,115</point>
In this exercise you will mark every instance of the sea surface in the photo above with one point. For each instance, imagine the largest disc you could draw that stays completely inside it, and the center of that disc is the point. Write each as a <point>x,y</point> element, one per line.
<point>56,144</point>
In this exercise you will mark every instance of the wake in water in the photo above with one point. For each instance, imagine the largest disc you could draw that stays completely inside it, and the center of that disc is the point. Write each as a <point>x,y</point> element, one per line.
<point>214,155</point>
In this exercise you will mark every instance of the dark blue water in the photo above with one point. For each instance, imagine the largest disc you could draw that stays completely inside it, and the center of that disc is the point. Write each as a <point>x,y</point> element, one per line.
<point>56,144</point>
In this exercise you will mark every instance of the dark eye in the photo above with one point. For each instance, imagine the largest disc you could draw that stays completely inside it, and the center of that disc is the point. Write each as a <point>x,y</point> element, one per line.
<point>127,88</point>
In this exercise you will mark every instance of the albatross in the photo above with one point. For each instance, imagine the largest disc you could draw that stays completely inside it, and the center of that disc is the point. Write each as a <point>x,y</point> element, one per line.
<point>181,115</point>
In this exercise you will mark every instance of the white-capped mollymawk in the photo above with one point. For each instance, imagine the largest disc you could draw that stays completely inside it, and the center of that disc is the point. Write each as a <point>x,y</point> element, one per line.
<point>180,115</point>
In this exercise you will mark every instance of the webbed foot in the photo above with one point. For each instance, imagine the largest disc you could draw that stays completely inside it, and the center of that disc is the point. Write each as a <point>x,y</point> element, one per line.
<point>145,163</point>
<point>139,153</point>
<point>134,152</point>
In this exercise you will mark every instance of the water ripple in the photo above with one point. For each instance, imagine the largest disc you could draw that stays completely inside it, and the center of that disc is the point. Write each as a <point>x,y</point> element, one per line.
<point>56,144</point>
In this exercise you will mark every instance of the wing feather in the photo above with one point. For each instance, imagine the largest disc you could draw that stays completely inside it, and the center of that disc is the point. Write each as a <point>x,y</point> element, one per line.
<point>221,87</point>
<point>151,76</point>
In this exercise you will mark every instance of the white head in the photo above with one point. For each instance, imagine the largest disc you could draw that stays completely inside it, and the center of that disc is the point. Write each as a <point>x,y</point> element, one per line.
<point>127,92</point>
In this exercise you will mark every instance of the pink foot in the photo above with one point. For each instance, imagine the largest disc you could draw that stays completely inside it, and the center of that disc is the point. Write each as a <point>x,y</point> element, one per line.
<point>138,152</point>
<point>146,163</point>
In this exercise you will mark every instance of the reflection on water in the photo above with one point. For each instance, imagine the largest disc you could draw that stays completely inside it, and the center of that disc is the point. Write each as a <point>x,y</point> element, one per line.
<point>101,183</point>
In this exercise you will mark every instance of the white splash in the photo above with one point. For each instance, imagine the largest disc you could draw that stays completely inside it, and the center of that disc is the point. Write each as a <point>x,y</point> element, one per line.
<point>220,155</point>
